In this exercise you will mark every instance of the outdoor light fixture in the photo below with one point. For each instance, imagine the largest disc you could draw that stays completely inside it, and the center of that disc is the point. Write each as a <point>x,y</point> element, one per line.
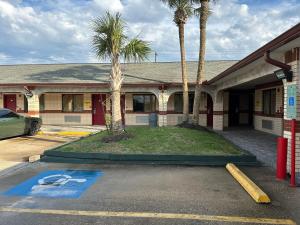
<point>284,74</point>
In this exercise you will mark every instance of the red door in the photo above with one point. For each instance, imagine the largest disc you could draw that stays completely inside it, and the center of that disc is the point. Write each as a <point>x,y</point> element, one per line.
<point>10,102</point>
<point>210,111</point>
<point>98,103</point>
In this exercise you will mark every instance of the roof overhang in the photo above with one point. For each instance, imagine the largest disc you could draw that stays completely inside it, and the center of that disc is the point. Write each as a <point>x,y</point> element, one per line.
<point>278,43</point>
<point>100,85</point>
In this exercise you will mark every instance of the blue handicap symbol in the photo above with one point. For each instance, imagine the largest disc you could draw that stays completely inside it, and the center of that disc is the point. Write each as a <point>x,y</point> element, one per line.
<point>56,184</point>
<point>291,101</point>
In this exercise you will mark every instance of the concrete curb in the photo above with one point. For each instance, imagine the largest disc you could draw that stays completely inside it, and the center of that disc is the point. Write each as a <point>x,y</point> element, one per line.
<point>253,190</point>
<point>95,158</point>
<point>13,168</point>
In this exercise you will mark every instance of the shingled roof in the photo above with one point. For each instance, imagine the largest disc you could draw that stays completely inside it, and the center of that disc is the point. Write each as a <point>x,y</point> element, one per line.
<point>138,73</point>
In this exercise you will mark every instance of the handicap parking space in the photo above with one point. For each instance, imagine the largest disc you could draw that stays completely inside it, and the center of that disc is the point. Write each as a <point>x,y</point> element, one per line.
<point>56,184</point>
<point>135,188</point>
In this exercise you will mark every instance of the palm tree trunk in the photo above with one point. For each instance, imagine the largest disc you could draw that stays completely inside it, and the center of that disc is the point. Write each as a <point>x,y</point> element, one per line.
<point>185,89</point>
<point>116,80</point>
<point>200,72</point>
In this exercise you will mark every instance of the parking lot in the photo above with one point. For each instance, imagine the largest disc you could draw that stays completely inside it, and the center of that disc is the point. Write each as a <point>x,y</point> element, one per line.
<point>19,149</point>
<point>139,194</point>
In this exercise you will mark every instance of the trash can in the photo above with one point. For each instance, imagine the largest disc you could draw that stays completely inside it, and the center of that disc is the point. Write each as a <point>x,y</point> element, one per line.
<point>281,158</point>
<point>153,119</point>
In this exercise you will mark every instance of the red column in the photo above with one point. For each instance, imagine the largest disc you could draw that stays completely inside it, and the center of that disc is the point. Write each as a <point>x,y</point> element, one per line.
<point>293,154</point>
<point>281,158</point>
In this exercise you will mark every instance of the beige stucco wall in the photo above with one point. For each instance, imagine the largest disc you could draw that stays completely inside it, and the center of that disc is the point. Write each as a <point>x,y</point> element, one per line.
<point>62,118</point>
<point>20,101</point>
<point>53,101</point>
<point>276,124</point>
<point>137,119</point>
<point>1,100</point>
<point>128,102</point>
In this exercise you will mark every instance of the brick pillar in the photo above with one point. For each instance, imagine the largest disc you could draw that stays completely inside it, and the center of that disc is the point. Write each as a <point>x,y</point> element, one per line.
<point>225,108</point>
<point>33,105</point>
<point>218,117</point>
<point>163,98</point>
<point>293,60</point>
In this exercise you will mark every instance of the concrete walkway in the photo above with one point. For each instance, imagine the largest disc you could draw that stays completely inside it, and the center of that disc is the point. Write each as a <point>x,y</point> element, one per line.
<point>260,144</point>
<point>19,149</point>
<point>14,151</point>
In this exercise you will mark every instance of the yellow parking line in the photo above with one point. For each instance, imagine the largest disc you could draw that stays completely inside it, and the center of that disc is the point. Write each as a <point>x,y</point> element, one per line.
<point>236,219</point>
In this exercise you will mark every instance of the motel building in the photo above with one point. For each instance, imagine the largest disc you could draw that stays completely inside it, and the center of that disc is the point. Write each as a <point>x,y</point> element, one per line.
<point>236,93</point>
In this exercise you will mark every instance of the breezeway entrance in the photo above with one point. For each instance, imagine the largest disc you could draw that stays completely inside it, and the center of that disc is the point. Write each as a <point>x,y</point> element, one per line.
<point>240,108</point>
<point>260,144</point>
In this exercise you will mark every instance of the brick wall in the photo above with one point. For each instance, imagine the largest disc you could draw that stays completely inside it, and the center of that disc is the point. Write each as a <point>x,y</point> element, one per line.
<point>287,134</point>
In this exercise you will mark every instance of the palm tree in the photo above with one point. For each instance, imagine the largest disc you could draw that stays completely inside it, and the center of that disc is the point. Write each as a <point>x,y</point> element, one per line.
<point>203,13</point>
<point>110,42</point>
<point>183,10</point>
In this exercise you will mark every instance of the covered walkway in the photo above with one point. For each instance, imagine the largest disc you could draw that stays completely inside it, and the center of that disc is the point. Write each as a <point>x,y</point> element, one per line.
<point>260,144</point>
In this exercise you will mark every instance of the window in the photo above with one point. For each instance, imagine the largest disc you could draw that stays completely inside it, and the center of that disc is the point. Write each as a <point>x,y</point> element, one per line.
<point>25,104</point>
<point>178,103</point>
<point>144,103</point>
<point>269,102</point>
<point>42,102</point>
<point>72,103</point>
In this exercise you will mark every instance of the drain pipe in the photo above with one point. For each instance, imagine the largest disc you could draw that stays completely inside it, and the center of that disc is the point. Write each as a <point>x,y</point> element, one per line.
<point>274,62</point>
<point>285,72</point>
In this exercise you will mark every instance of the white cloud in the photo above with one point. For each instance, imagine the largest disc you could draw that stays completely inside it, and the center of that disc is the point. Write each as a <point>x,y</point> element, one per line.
<point>109,5</point>
<point>3,56</point>
<point>60,30</point>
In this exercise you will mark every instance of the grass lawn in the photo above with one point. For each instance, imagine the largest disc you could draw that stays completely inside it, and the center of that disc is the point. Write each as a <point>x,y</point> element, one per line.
<point>163,140</point>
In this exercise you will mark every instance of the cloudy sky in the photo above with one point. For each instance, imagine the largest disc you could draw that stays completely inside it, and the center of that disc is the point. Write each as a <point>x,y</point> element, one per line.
<point>59,31</point>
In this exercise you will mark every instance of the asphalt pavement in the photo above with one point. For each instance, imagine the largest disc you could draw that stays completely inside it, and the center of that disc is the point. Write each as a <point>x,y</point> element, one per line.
<point>146,194</point>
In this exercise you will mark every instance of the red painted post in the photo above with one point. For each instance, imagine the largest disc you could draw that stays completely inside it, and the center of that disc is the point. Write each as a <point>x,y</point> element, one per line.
<point>293,154</point>
<point>281,158</point>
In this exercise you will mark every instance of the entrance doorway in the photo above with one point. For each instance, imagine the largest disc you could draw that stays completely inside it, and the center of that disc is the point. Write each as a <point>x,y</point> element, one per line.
<point>210,111</point>
<point>241,108</point>
<point>234,107</point>
<point>10,102</point>
<point>99,108</point>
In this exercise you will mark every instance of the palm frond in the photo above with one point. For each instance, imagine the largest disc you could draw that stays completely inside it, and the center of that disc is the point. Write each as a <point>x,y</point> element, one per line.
<point>183,9</point>
<point>136,50</point>
<point>108,35</point>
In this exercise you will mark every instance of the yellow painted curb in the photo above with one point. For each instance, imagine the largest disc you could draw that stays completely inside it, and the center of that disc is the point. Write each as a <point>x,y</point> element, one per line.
<point>253,190</point>
<point>66,133</point>
<point>74,133</point>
